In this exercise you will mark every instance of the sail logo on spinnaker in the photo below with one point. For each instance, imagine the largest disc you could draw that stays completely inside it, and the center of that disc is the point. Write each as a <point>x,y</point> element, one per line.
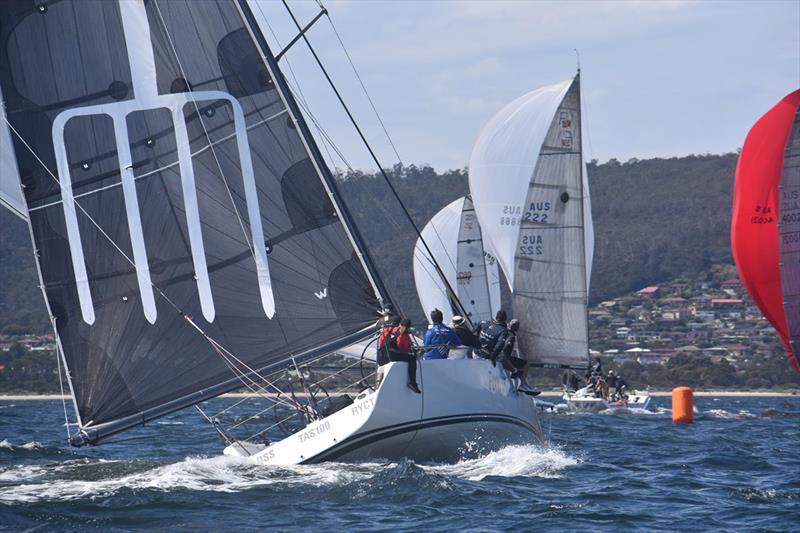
<point>180,106</point>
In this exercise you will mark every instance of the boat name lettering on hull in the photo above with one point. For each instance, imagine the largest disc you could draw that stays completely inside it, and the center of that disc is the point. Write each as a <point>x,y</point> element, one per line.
<point>363,406</point>
<point>268,455</point>
<point>313,432</point>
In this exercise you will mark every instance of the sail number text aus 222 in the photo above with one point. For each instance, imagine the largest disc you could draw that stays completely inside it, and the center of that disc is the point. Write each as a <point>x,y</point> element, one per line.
<point>536,212</point>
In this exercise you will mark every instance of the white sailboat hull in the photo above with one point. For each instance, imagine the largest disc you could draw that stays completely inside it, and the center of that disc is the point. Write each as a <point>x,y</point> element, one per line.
<point>467,408</point>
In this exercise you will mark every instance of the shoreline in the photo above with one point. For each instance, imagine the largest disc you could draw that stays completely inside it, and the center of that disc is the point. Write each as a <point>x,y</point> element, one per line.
<point>546,393</point>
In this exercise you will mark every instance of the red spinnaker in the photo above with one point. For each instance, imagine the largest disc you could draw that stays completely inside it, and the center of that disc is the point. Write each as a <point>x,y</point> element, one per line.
<point>754,224</point>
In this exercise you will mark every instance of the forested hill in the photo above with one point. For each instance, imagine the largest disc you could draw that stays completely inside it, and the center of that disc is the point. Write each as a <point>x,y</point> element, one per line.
<point>655,220</point>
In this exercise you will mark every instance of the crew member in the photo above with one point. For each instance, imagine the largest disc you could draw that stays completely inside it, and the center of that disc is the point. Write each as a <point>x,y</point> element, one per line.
<point>491,336</point>
<point>389,324</point>
<point>611,383</point>
<point>399,342</point>
<point>517,366</point>
<point>440,336</point>
<point>469,341</point>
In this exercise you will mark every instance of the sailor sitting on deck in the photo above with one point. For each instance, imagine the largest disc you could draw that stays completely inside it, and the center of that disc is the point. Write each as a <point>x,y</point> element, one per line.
<point>398,344</point>
<point>489,334</point>
<point>441,336</point>
<point>389,324</point>
<point>469,341</point>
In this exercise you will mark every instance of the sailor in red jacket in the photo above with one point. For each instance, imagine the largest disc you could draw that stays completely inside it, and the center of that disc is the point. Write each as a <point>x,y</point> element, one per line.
<point>399,344</point>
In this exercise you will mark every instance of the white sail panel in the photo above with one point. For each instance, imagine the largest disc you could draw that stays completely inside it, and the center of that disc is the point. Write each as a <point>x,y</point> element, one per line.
<point>10,190</point>
<point>550,278</point>
<point>502,164</point>
<point>478,278</point>
<point>588,228</point>
<point>441,236</point>
<point>454,237</point>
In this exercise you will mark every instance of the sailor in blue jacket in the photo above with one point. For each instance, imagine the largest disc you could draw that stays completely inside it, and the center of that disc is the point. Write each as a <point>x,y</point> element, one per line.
<point>439,334</point>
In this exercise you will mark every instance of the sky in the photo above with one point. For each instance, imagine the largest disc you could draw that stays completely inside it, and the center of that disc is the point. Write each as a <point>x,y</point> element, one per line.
<point>659,79</point>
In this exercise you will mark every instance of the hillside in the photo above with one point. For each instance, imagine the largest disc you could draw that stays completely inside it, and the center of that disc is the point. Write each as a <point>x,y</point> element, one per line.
<point>655,220</point>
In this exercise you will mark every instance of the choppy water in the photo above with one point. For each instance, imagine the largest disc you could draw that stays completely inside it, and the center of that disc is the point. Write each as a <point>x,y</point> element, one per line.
<point>736,469</point>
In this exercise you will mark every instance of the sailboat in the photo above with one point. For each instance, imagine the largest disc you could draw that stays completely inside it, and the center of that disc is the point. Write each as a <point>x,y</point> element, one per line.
<point>529,187</point>
<point>454,237</point>
<point>190,239</point>
<point>765,224</point>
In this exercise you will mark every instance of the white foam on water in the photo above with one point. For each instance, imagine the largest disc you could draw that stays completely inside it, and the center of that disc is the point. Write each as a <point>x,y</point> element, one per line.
<point>217,474</point>
<point>722,413</point>
<point>511,461</point>
<point>33,445</point>
<point>628,411</point>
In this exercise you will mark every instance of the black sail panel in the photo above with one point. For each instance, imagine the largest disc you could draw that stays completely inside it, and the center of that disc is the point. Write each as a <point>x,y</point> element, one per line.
<point>169,187</point>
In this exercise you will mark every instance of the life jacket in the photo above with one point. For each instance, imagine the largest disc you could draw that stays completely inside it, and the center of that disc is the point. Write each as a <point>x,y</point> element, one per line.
<point>387,343</point>
<point>491,335</point>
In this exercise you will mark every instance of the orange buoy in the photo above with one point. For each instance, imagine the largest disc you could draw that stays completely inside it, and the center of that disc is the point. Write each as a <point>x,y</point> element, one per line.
<point>682,405</point>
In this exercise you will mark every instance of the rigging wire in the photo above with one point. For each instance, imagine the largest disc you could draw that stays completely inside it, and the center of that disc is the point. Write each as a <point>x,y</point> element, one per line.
<point>361,82</point>
<point>430,260</point>
<point>451,293</point>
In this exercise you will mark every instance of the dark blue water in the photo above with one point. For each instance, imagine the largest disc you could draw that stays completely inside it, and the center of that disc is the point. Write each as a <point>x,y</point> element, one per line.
<point>736,469</point>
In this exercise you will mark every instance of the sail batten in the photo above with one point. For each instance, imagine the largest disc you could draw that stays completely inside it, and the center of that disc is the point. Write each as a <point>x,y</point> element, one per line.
<point>197,197</point>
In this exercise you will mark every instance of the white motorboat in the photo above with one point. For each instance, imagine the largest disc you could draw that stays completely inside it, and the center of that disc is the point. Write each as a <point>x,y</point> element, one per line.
<point>584,400</point>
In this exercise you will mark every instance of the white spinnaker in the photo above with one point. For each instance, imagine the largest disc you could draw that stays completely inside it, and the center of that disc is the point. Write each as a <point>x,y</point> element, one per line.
<point>454,238</point>
<point>531,195</point>
<point>10,190</point>
<point>441,236</point>
<point>502,163</point>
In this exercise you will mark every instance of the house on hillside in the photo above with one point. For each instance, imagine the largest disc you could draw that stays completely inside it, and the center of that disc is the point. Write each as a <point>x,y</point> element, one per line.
<point>648,292</point>
<point>732,287</point>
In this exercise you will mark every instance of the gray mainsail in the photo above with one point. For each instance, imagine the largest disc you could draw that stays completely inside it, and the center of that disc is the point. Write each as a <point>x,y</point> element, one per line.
<point>550,289</point>
<point>183,219</point>
<point>789,233</point>
<point>532,199</point>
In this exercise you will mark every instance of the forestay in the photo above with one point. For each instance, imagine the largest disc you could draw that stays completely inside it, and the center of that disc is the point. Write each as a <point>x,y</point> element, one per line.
<point>531,196</point>
<point>454,237</point>
<point>176,209</point>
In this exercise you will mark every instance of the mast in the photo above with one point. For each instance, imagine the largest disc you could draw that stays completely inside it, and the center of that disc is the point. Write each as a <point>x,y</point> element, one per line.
<point>451,293</point>
<point>316,156</point>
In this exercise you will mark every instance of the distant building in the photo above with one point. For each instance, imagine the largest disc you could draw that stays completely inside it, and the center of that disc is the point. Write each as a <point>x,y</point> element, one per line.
<point>650,291</point>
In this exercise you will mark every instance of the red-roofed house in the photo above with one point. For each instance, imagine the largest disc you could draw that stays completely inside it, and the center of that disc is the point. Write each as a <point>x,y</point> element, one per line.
<point>649,291</point>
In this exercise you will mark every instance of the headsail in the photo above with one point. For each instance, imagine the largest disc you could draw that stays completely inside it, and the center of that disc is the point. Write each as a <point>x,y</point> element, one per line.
<point>10,191</point>
<point>765,224</point>
<point>529,187</point>
<point>178,208</point>
<point>454,237</point>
